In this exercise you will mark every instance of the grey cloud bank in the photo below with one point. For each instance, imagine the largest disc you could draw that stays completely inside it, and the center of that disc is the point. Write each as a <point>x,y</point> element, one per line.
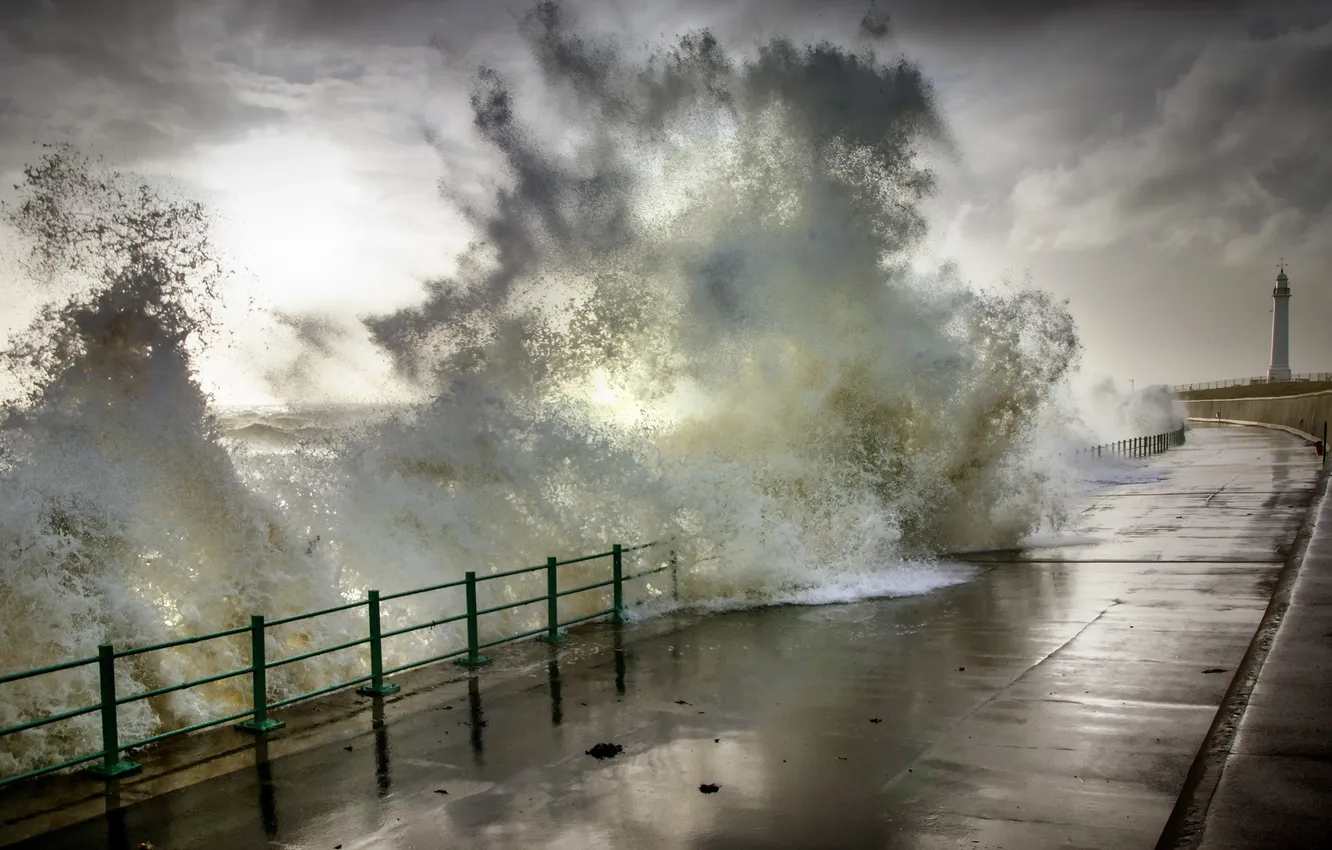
<point>1128,154</point>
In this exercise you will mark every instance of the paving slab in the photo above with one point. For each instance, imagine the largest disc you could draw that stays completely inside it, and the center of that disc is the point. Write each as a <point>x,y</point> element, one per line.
<point>1044,703</point>
<point>1276,782</point>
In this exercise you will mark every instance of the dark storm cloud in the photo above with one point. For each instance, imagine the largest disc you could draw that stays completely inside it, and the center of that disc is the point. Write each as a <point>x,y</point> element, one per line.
<point>1194,129</point>
<point>1243,133</point>
<point>122,75</point>
<point>982,17</point>
<point>155,77</point>
<point>1116,18</point>
<point>953,15</point>
<point>1131,99</point>
<point>139,79</point>
<point>364,21</point>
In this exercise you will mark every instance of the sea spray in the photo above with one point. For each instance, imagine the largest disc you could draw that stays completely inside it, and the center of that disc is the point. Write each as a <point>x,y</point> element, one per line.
<point>720,242</point>
<point>687,319</point>
<point>688,316</point>
<point>122,519</point>
<point>1123,413</point>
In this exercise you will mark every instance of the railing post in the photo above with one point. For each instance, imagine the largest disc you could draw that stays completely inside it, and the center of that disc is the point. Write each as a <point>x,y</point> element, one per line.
<point>675,577</point>
<point>259,675</point>
<point>376,688</point>
<point>617,583</point>
<point>552,634</point>
<point>111,765</point>
<point>473,658</point>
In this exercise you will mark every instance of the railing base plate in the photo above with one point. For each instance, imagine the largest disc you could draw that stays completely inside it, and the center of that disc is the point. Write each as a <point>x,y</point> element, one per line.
<point>381,691</point>
<point>479,661</point>
<point>257,727</point>
<point>120,768</point>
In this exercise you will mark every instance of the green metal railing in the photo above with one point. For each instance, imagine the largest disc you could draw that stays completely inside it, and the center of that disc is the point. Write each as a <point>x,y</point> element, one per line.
<point>1137,446</point>
<point>110,763</point>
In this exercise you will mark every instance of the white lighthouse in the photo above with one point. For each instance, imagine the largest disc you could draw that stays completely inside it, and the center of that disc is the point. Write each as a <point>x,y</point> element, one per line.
<point>1280,368</point>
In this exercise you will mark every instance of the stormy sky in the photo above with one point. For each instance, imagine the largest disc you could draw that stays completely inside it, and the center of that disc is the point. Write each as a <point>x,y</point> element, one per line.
<point>1151,162</point>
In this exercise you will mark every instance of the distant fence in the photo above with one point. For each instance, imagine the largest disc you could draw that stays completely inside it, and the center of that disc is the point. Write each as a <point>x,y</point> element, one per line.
<point>1137,446</point>
<point>1244,382</point>
<point>108,759</point>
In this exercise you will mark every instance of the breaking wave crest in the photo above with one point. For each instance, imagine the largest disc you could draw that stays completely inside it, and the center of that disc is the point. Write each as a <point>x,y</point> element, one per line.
<point>688,316</point>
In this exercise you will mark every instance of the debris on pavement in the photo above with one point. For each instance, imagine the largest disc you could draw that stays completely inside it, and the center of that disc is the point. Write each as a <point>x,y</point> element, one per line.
<point>605,751</point>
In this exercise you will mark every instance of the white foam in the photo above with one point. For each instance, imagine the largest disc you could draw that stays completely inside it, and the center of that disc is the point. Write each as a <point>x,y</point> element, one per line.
<point>911,578</point>
<point>723,353</point>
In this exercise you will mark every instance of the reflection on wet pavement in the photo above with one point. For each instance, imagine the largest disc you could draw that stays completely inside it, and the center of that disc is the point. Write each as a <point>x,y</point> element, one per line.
<point>1057,699</point>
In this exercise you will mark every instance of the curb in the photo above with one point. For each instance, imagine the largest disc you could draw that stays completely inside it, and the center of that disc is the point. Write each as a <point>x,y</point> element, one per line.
<point>1188,819</point>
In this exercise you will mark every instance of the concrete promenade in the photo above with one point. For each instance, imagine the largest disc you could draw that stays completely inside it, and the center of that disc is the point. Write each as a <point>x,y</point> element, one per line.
<point>1276,783</point>
<point>1058,698</point>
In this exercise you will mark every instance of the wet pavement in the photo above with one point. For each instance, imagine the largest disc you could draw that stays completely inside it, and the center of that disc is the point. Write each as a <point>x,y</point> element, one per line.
<point>1058,699</point>
<point>1276,782</point>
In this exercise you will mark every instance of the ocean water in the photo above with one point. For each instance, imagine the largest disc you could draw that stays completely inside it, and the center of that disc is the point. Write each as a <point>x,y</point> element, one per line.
<point>691,318</point>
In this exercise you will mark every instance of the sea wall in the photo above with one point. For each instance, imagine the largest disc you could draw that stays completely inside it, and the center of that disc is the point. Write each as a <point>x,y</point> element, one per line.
<point>1306,413</point>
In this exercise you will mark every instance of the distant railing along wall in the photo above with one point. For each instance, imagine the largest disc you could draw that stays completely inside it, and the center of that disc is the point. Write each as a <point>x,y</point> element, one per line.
<point>256,719</point>
<point>1244,382</point>
<point>1137,446</point>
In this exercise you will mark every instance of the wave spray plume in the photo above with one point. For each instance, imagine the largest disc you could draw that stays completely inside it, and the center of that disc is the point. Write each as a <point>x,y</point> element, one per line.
<point>688,314</point>
<point>122,518</point>
<point>714,248</point>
